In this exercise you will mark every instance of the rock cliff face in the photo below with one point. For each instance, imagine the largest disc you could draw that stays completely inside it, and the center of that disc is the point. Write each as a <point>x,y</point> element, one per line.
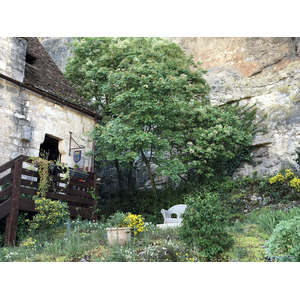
<point>265,71</point>
<point>58,49</point>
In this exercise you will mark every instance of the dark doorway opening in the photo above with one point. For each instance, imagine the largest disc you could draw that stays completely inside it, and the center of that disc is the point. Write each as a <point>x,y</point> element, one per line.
<point>49,148</point>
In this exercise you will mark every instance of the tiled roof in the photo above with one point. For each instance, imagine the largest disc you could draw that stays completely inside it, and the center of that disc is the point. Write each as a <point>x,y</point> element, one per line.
<point>44,75</point>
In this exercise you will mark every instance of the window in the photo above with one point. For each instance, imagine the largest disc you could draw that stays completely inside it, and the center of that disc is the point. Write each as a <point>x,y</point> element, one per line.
<point>30,59</point>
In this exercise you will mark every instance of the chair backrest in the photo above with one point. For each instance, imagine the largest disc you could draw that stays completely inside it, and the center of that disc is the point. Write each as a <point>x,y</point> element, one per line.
<point>178,210</point>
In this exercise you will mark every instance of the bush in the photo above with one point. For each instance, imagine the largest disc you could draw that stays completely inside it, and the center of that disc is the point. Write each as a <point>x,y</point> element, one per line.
<point>284,243</point>
<point>136,222</point>
<point>51,213</point>
<point>203,224</point>
<point>116,220</point>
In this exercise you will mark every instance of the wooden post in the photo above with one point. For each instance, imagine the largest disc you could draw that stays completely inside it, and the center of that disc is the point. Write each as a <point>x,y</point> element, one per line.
<point>12,219</point>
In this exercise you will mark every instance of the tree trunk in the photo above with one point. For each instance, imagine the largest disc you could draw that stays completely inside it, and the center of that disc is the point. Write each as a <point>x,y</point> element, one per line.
<point>129,181</point>
<point>147,163</point>
<point>119,178</point>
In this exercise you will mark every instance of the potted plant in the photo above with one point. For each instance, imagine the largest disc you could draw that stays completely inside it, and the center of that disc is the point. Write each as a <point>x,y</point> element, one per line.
<point>118,232</point>
<point>78,173</point>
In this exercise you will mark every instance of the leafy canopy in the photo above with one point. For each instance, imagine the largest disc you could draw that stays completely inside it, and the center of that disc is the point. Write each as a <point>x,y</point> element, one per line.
<point>153,103</point>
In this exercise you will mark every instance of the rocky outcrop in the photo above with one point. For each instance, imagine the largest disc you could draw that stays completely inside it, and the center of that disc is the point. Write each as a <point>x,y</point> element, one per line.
<point>58,49</point>
<point>262,71</point>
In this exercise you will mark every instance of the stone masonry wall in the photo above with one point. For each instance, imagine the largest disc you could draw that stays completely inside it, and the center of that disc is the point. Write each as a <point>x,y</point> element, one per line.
<point>25,119</point>
<point>12,57</point>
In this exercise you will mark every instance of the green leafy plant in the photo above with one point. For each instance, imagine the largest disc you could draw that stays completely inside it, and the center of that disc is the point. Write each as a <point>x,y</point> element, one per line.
<point>116,220</point>
<point>204,224</point>
<point>284,243</point>
<point>22,226</point>
<point>45,178</point>
<point>78,168</point>
<point>267,219</point>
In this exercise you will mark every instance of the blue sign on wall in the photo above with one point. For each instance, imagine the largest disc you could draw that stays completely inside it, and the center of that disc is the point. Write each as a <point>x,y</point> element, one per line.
<point>77,155</point>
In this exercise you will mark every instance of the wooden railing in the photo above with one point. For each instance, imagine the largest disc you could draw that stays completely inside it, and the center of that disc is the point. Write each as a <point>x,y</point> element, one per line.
<point>20,181</point>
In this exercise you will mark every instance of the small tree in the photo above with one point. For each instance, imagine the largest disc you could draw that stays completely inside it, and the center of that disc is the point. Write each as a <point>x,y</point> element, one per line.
<point>203,224</point>
<point>141,88</point>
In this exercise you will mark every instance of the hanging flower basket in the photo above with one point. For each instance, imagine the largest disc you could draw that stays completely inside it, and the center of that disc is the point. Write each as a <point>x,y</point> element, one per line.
<point>79,175</point>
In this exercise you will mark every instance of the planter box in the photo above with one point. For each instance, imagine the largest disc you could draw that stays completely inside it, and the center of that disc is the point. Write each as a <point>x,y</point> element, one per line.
<point>119,235</point>
<point>78,175</point>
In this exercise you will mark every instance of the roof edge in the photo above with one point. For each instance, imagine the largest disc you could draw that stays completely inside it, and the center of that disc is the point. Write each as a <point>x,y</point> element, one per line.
<point>51,96</point>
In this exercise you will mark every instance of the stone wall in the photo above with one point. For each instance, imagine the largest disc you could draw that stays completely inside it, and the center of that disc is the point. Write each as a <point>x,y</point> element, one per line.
<point>12,57</point>
<point>27,116</point>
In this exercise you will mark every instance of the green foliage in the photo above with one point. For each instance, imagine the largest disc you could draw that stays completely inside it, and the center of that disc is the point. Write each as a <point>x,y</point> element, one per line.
<point>204,224</point>
<point>44,178</point>
<point>267,219</point>
<point>51,213</point>
<point>284,243</point>
<point>153,104</point>
<point>79,239</point>
<point>146,204</point>
<point>119,219</point>
<point>22,226</point>
<point>116,220</point>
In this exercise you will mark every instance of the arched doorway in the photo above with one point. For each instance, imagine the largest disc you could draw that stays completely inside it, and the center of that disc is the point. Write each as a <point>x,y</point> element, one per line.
<point>49,148</point>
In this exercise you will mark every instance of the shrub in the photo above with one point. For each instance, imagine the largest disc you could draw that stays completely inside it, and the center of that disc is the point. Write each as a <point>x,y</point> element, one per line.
<point>136,222</point>
<point>116,220</point>
<point>203,224</point>
<point>51,213</point>
<point>284,243</point>
<point>289,178</point>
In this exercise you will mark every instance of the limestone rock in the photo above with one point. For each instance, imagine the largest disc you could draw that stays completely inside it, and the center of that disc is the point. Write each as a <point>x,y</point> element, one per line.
<point>58,49</point>
<point>262,71</point>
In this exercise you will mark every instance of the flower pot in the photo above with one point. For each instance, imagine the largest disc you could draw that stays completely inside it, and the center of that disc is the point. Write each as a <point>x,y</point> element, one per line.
<point>119,235</point>
<point>78,175</point>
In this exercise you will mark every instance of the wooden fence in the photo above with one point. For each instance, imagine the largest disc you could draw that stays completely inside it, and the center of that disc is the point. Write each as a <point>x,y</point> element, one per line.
<point>20,180</point>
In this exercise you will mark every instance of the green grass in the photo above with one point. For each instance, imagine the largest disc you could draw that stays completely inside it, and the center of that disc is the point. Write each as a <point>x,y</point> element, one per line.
<point>267,219</point>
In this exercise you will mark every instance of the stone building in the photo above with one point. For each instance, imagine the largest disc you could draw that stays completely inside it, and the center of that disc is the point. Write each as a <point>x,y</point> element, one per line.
<point>39,110</point>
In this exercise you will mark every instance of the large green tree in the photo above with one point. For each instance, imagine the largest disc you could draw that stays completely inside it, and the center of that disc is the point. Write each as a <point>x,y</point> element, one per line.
<point>153,104</point>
